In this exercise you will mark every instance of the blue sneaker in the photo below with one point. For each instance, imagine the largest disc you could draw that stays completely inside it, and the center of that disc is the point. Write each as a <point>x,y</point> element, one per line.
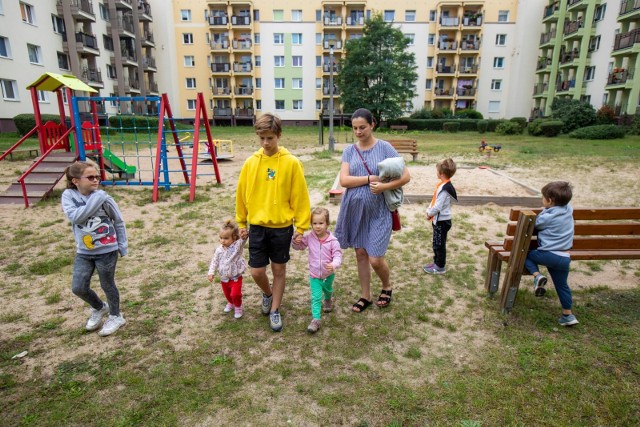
<point>266,304</point>
<point>275,321</point>
<point>538,285</point>
<point>434,269</point>
<point>568,320</point>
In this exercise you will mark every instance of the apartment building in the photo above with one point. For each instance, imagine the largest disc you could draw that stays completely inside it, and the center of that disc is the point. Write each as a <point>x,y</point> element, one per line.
<point>108,44</point>
<point>278,56</point>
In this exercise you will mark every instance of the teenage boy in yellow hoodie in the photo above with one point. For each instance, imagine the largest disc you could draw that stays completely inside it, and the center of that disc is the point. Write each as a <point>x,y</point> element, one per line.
<point>272,199</point>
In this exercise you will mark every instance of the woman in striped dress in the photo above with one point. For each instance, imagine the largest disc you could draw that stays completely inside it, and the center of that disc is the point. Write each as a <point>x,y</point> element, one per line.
<point>364,222</point>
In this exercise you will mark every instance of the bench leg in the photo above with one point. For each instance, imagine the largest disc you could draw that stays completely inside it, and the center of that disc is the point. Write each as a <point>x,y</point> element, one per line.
<point>415,157</point>
<point>492,278</point>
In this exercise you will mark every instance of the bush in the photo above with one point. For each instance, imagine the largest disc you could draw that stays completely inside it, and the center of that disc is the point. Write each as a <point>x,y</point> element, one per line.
<point>521,121</point>
<point>598,132</point>
<point>469,114</point>
<point>534,128</point>
<point>551,128</point>
<point>25,122</point>
<point>575,114</point>
<point>493,124</point>
<point>634,127</point>
<point>509,128</point>
<point>130,123</point>
<point>441,113</point>
<point>605,115</point>
<point>423,113</point>
<point>482,126</point>
<point>436,124</point>
<point>451,126</point>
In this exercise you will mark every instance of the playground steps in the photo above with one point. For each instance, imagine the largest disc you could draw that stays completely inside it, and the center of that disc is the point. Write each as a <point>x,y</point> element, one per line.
<point>40,181</point>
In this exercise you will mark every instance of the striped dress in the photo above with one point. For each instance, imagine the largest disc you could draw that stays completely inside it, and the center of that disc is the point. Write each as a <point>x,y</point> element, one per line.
<point>364,220</point>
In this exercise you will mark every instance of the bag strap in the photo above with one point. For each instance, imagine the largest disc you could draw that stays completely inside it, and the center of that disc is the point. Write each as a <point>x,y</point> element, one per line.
<point>364,162</point>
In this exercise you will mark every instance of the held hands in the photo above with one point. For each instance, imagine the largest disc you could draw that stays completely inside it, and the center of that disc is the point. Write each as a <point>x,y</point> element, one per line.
<point>244,234</point>
<point>210,277</point>
<point>297,238</point>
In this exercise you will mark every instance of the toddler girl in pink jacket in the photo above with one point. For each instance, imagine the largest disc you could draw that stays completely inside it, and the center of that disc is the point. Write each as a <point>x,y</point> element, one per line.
<point>325,256</point>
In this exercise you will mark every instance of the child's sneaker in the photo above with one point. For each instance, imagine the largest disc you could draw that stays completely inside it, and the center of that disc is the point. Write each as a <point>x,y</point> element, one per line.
<point>314,326</point>
<point>275,321</point>
<point>112,324</point>
<point>568,320</point>
<point>538,285</point>
<point>434,269</point>
<point>266,303</point>
<point>239,311</point>
<point>228,308</point>
<point>327,305</point>
<point>95,320</point>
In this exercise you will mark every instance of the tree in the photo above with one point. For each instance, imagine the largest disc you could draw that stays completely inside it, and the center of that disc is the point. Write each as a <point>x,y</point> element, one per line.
<point>377,72</point>
<point>575,114</point>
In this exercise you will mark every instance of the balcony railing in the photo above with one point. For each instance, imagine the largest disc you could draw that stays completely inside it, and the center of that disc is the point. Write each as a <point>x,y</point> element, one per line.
<point>355,21</point>
<point>220,45</point>
<point>218,20</point>
<point>468,69</point>
<point>572,27</point>
<point>326,90</point>
<point>243,90</point>
<point>551,9</point>
<point>619,76</point>
<point>217,111</point>
<point>333,21</point>
<point>85,6</point>
<point>126,23</point>
<point>153,87</point>
<point>625,40</point>
<point>448,45</point>
<point>546,37</point>
<point>543,62</point>
<point>446,21</point>
<point>540,88</point>
<point>145,8</point>
<point>565,85</point>
<point>240,20</point>
<point>221,90</point>
<point>444,92</point>
<point>241,44</point>
<point>569,56</point>
<point>244,112</point>
<point>472,21</point>
<point>87,40</point>
<point>128,55</point>
<point>148,36</point>
<point>327,68</point>
<point>537,113</point>
<point>148,62</point>
<point>92,75</point>
<point>446,68</point>
<point>242,67</point>
<point>465,92</point>
<point>470,45</point>
<point>221,67</point>
<point>572,2</point>
<point>337,44</point>
<point>628,6</point>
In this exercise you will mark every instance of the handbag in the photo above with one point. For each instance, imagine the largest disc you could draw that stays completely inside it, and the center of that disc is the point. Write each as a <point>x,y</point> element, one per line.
<point>395,215</point>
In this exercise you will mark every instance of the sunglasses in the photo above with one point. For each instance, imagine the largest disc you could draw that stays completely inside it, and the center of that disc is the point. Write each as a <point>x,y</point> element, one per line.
<point>92,177</point>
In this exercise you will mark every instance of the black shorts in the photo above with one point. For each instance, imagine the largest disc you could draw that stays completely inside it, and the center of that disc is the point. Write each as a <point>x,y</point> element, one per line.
<point>269,244</point>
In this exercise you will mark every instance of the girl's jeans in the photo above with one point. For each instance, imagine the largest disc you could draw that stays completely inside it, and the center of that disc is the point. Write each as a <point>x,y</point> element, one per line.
<point>83,269</point>
<point>320,287</point>
<point>440,230</point>
<point>558,267</point>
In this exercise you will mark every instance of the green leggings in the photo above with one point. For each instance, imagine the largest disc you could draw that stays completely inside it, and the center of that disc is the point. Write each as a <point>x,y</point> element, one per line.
<point>318,288</point>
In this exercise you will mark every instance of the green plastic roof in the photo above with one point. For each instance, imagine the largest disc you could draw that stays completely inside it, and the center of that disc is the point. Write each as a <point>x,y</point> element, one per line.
<point>53,81</point>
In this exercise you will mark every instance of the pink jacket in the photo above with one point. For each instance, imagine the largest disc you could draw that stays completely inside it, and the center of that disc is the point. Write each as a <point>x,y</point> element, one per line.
<point>320,253</point>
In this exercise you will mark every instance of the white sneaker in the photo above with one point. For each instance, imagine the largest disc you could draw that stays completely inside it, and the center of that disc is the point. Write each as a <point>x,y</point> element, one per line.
<point>239,311</point>
<point>112,324</point>
<point>228,308</point>
<point>95,320</point>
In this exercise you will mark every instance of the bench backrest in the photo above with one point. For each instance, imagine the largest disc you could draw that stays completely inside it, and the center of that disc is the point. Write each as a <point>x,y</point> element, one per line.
<point>407,144</point>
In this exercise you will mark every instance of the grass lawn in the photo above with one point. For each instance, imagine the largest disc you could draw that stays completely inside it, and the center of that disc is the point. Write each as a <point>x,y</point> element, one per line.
<point>442,354</point>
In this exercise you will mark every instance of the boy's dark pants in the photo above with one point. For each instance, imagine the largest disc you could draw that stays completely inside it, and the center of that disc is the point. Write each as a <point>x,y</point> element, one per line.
<point>440,230</point>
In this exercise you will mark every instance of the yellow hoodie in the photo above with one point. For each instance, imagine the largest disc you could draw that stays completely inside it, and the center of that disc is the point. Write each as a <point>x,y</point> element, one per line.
<point>272,192</point>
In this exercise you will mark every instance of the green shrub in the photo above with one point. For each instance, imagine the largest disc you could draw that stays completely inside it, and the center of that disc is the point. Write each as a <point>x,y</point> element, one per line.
<point>482,126</point>
<point>509,128</point>
<point>493,124</point>
<point>606,115</point>
<point>534,127</point>
<point>131,123</point>
<point>423,113</point>
<point>522,122</point>
<point>551,128</point>
<point>25,122</point>
<point>469,125</point>
<point>573,113</point>
<point>451,126</point>
<point>599,132</point>
<point>634,127</point>
<point>441,113</point>
<point>469,114</point>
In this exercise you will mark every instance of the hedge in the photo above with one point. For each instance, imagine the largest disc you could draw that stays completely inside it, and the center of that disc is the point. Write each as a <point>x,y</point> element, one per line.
<point>551,128</point>
<point>451,126</point>
<point>509,128</point>
<point>25,122</point>
<point>482,125</point>
<point>130,123</point>
<point>599,132</point>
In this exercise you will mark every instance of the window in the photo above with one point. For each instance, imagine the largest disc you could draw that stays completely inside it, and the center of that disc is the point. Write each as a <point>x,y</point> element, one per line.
<point>113,102</point>
<point>191,83</point>
<point>496,84</point>
<point>599,12</point>
<point>63,61</point>
<point>5,48</point>
<point>594,43</point>
<point>429,61</point>
<point>278,82</point>
<point>278,15</point>
<point>494,106</point>
<point>503,16</point>
<point>431,39</point>
<point>297,104</point>
<point>278,61</point>
<point>411,38</point>
<point>318,15</point>
<point>185,14</point>
<point>9,90</point>
<point>258,104</point>
<point>187,38</point>
<point>256,15</point>
<point>111,72</point>
<point>410,15</point>
<point>107,42</point>
<point>318,104</point>
<point>296,15</point>
<point>389,15</point>
<point>279,104</point>
<point>589,73</point>
<point>318,83</point>
<point>501,39</point>
<point>28,13</point>
<point>35,54</point>
<point>58,24</point>
<point>258,60</point>
<point>297,61</point>
<point>191,104</point>
<point>318,61</point>
<point>189,61</point>
<point>296,83</point>
<point>1,8</point>
<point>104,12</point>
<point>432,15</point>
<point>256,38</point>
<point>296,38</point>
<point>258,83</point>
<point>43,96</point>
<point>586,99</point>
<point>278,38</point>
<point>498,62</point>
<point>429,84</point>
<point>318,38</point>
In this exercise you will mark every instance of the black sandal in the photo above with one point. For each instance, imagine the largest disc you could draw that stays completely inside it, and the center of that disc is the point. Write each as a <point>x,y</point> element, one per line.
<point>361,305</point>
<point>384,300</point>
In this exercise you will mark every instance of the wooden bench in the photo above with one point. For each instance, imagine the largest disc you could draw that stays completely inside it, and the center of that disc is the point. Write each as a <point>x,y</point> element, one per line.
<point>402,128</point>
<point>31,152</point>
<point>599,234</point>
<point>409,146</point>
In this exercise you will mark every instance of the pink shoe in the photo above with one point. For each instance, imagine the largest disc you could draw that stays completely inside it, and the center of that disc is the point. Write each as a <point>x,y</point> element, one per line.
<point>239,312</point>
<point>228,308</point>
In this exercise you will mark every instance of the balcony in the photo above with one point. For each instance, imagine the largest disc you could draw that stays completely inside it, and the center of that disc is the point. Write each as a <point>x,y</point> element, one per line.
<point>243,91</point>
<point>221,67</point>
<point>572,27</point>
<point>337,44</point>
<point>88,43</point>
<point>446,69</point>
<point>566,57</point>
<point>125,25</point>
<point>123,4</point>
<point>619,76</point>
<point>240,20</point>
<point>357,21</point>
<point>629,8</point>
<point>470,44</point>
<point>220,45</point>
<point>241,44</point>
<point>221,91</point>
<point>152,87</point>
<point>543,62</point>
<point>446,21</point>
<point>130,85</point>
<point>92,76</point>
<point>81,10</point>
<point>326,68</point>
<point>218,20</point>
<point>565,85</point>
<point>469,69</point>
<point>625,40</point>
<point>129,57</point>
<point>149,63</point>
<point>439,91</point>
<point>472,20</point>
<point>536,113</point>
<point>550,10</point>
<point>244,112</point>
<point>332,21</point>
<point>242,67</point>
<point>576,4</point>
<point>461,91</point>
<point>326,90</point>
<point>540,88</point>
<point>448,46</point>
<point>547,37</point>
<point>147,39</point>
<point>222,111</point>
<point>144,10</point>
